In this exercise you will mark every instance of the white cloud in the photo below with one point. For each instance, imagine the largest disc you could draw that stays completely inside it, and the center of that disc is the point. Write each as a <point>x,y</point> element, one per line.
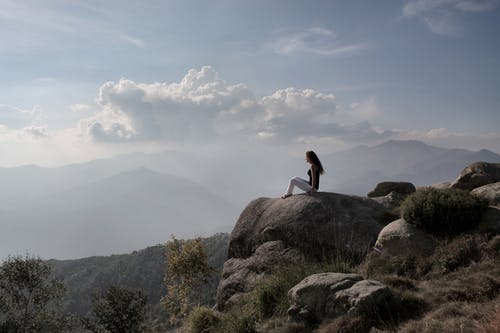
<point>365,110</point>
<point>14,117</point>
<point>80,107</point>
<point>134,41</point>
<point>315,40</point>
<point>36,132</point>
<point>204,107</point>
<point>443,16</point>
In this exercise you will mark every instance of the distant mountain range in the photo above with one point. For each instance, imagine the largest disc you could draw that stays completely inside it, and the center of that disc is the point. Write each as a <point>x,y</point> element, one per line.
<point>358,170</point>
<point>116,214</point>
<point>130,201</point>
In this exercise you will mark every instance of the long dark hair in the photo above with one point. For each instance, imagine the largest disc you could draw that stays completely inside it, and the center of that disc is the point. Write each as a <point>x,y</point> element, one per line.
<point>315,160</point>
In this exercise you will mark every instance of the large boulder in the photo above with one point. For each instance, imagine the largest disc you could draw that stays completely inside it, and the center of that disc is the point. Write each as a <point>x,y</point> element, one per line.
<point>490,221</point>
<point>240,276</point>
<point>476,175</point>
<point>277,232</point>
<point>316,225</point>
<point>490,192</point>
<point>384,188</point>
<point>400,238</point>
<point>329,295</point>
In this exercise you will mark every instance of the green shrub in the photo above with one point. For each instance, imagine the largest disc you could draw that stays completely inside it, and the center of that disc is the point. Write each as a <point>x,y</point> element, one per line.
<point>202,320</point>
<point>448,211</point>
<point>238,320</point>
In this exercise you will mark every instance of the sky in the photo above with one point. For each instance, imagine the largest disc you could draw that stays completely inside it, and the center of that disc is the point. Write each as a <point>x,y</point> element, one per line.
<point>84,79</point>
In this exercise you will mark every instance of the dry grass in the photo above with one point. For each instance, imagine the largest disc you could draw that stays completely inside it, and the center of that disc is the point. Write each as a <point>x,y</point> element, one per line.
<point>493,323</point>
<point>459,285</point>
<point>454,317</point>
<point>346,324</point>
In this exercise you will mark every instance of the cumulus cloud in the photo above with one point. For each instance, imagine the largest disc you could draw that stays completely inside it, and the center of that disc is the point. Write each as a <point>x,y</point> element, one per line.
<point>443,16</point>
<point>202,107</point>
<point>79,107</point>
<point>36,132</point>
<point>315,40</point>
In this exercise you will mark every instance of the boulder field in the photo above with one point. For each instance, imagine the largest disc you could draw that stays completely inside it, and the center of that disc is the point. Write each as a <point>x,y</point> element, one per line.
<point>274,231</point>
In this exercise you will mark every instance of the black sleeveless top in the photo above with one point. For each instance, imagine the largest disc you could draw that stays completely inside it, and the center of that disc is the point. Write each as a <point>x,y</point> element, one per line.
<point>316,181</point>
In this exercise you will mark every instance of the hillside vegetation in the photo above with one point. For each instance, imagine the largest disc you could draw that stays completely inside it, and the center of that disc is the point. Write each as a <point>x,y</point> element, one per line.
<point>142,270</point>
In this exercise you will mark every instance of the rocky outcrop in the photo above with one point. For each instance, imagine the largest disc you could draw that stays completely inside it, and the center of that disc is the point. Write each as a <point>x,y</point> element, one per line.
<point>314,224</point>
<point>490,192</point>
<point>239,276</point>
<point>400,238</point>
<point>329,295</point>
<point>391,200</point>
<point>384,188</point>
<point>476,175</point>
<point>490,221</point>
<point>275,232</point>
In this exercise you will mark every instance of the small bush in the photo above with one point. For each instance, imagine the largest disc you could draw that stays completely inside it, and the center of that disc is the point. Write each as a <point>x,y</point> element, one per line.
<point>202,320</point>
<point>459,253</point>
<point>403,306</point>
<point>376,266</point>
<point>237,321</point>
<point>448,211</point>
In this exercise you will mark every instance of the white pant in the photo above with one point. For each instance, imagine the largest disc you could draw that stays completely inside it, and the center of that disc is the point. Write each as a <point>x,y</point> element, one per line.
<point>300,183</point>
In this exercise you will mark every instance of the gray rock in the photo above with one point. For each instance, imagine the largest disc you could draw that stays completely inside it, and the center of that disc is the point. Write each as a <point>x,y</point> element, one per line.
<point>400,238</point>
<point>275,232</point>
<point>476,175</point>
<point>240,276</point>
<point>316,225</point>
<point>490,192</point>
<point>490,221</point>
<point>441,186</point>
<point>391,200</point>
<point>363,297</point>
<point>329,295</point>
<point>384,188</point>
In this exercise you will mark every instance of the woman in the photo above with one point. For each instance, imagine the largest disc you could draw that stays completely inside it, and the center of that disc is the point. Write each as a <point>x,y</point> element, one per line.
<point>312,185</point>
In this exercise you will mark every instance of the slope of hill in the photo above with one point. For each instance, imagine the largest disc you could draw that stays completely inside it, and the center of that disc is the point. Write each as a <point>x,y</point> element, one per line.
<point>113,215</point>
<point>140,270</point>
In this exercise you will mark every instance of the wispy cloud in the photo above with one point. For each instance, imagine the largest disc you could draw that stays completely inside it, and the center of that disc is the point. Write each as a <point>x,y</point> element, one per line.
<point>315,40</point>
<point>443,17</point>
<point>33,26</point>
<point>133,41</point>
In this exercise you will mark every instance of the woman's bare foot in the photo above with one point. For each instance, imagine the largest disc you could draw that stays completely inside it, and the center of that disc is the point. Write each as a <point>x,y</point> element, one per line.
<point>284,196</point>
